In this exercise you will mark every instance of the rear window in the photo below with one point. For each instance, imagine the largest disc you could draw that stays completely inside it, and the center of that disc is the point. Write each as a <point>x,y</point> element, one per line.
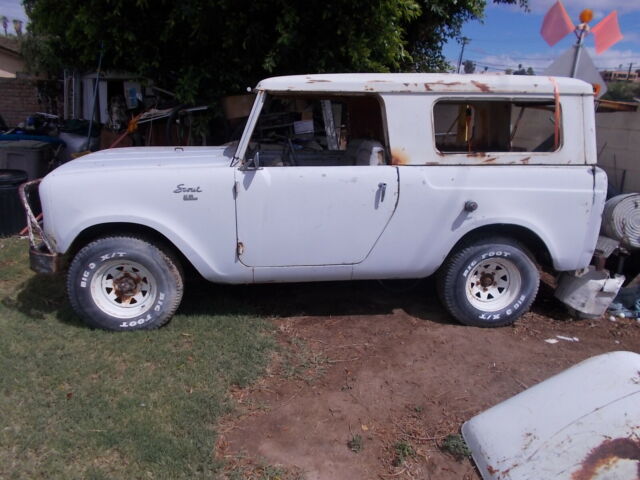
<point>465,126</point>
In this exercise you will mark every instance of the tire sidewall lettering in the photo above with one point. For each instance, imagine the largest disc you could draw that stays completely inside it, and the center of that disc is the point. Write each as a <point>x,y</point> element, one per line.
<point>154,311</point>
<point>514,308</point>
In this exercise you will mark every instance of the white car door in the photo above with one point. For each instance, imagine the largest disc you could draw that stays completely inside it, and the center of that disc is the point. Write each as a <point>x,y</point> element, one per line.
<point>293,216</point>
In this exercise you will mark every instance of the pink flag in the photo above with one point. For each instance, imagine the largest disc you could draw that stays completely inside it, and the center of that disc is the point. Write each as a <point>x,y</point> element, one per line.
<point>607,32</point>
<point>556,24</point>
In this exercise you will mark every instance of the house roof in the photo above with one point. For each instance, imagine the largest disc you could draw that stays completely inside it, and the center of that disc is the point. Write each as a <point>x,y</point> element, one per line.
<point>10,45</point>
<point>425,83</point>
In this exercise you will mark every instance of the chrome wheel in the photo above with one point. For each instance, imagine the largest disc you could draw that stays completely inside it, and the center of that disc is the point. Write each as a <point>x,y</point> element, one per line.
<point>493,284</point>
<point>123,289</point>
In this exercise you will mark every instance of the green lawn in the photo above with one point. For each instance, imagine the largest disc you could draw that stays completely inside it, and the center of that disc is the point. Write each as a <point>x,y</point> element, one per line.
<point>82,403</point>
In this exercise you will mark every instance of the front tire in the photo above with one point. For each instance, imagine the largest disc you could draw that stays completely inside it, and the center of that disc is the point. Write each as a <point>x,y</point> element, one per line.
<point>489,283</point>
<point>124,283</point>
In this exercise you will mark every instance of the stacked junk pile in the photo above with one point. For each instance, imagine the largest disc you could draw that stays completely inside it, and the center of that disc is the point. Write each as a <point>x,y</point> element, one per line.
<point>591,292</point>
<point>30,151</point>
<point>148,116</point>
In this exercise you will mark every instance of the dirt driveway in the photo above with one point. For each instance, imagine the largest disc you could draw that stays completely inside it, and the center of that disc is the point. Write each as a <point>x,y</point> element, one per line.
<point>371,380</point>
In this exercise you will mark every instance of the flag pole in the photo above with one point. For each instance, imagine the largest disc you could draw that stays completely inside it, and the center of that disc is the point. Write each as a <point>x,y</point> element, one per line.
<point>581,32</point>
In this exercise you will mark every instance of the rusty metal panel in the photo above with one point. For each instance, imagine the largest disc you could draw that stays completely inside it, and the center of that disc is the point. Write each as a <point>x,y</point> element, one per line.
<point>423,83</point>
<point>582,424</point>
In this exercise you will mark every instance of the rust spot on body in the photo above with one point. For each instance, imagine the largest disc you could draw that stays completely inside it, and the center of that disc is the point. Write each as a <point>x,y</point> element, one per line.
<point>606,454</point>
<point>525,160</point>
<point>477,154</point>
<point>399,157</point>
<point>483,87</point>
<point>490,160</point>
<point>427,86</point>
<point>318,80</point>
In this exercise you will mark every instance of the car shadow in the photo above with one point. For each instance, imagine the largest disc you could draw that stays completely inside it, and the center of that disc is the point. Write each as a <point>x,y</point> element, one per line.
<point>416,297</point>
<point>42,295</point>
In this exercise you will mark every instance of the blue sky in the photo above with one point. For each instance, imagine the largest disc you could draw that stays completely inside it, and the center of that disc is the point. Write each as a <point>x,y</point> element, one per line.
<point>508,36</point>
<point>12,9</point>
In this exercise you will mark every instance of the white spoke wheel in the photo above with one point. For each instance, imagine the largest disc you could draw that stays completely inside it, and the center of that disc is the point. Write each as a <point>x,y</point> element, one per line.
<point>493,284</point>
<point>123,289</point>
<point>489,282</point>
<point>124,283</point>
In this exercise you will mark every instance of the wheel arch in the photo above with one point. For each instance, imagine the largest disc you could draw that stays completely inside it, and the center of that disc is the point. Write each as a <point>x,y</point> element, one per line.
<point>145,232</point>
<point>532,241</point>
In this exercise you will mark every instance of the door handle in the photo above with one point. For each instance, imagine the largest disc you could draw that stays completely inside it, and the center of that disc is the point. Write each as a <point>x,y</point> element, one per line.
<point>383,189</point>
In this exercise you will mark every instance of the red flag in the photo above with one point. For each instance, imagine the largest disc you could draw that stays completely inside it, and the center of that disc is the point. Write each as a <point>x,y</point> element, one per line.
<point>607,32</point>
<point>556,24</point>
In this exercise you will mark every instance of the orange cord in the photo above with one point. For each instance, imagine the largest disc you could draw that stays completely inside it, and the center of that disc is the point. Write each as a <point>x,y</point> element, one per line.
<point>556,129</point>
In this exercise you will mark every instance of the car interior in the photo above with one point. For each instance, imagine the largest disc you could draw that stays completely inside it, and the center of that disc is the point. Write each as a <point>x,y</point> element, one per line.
<point>320,130</point>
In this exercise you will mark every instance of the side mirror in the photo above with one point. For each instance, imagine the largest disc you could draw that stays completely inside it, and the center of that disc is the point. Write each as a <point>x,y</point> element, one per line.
<point>251,163</point>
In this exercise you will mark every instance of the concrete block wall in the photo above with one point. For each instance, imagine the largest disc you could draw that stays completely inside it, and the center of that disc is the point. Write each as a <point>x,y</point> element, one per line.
<point>618,140</point>
<point>18,100</point>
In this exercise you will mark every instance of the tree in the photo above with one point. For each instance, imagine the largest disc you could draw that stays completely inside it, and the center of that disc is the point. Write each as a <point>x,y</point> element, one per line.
<point>5,24</point>
<point>17,26</point>
<point>622,91</point>
<point>469,66</point>
<point>205,48</point>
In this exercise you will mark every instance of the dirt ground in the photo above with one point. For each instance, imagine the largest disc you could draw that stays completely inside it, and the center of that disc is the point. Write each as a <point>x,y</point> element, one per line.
<point>372,378</point>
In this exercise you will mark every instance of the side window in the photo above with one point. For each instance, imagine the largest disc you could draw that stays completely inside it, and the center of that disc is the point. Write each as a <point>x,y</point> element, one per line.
<point>320,130</point>
<point>465,126</point>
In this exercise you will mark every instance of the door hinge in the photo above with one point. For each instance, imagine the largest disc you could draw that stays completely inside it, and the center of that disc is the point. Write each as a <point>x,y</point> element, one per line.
<point>240,248</point>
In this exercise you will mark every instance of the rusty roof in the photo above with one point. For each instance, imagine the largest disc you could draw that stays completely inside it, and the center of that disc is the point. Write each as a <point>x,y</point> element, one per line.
<point>424,83</point>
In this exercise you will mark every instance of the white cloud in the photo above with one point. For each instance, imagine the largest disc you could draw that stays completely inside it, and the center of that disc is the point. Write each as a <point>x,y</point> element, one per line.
<point>611,59</point>
<point>574,7</point>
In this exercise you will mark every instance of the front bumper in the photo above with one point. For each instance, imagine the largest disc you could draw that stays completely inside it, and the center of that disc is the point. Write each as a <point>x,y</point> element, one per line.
<point>42,257</point>
<point>41,261</point>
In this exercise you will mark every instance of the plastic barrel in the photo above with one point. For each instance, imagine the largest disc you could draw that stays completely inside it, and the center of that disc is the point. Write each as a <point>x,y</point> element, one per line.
<point>621,219</point>
<point>12,216</point>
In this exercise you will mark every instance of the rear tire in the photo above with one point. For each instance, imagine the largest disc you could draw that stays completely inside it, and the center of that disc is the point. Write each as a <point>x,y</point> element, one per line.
<point>124,283</point>
<point>489,283</point>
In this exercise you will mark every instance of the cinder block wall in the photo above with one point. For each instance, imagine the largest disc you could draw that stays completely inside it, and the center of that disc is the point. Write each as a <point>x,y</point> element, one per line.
<point>618,138</point>
<point>18,100</point>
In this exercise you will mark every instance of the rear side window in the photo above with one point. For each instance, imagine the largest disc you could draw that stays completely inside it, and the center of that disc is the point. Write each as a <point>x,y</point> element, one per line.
<point>466,126</point>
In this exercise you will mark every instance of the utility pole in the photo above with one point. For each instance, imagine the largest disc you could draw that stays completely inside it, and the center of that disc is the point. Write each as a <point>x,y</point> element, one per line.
<point>464,41</point>
<point>629,72</point>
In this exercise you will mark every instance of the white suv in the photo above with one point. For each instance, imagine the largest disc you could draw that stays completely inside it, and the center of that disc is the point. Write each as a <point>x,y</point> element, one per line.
<point>340,177</point>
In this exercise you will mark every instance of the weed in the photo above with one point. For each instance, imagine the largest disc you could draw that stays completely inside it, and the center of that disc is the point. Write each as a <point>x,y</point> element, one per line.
<point>355,444</point>
<point>456,446</point>
<point>301,363</point>
<point>402,450</point>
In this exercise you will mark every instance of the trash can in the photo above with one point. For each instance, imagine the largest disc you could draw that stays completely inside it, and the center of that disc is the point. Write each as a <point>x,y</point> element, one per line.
<point>30,156</point>
<point>12,216</point>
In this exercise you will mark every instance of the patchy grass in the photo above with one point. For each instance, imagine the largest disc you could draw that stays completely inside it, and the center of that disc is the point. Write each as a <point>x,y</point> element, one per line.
<point>355,444</point>
<point>402,451</point>
<point>82,403</point>
<point>456,446</point>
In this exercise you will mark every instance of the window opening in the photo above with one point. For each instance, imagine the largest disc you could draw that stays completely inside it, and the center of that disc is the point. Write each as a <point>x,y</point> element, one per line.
<point>467,126</point>
<point>319,130</point>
